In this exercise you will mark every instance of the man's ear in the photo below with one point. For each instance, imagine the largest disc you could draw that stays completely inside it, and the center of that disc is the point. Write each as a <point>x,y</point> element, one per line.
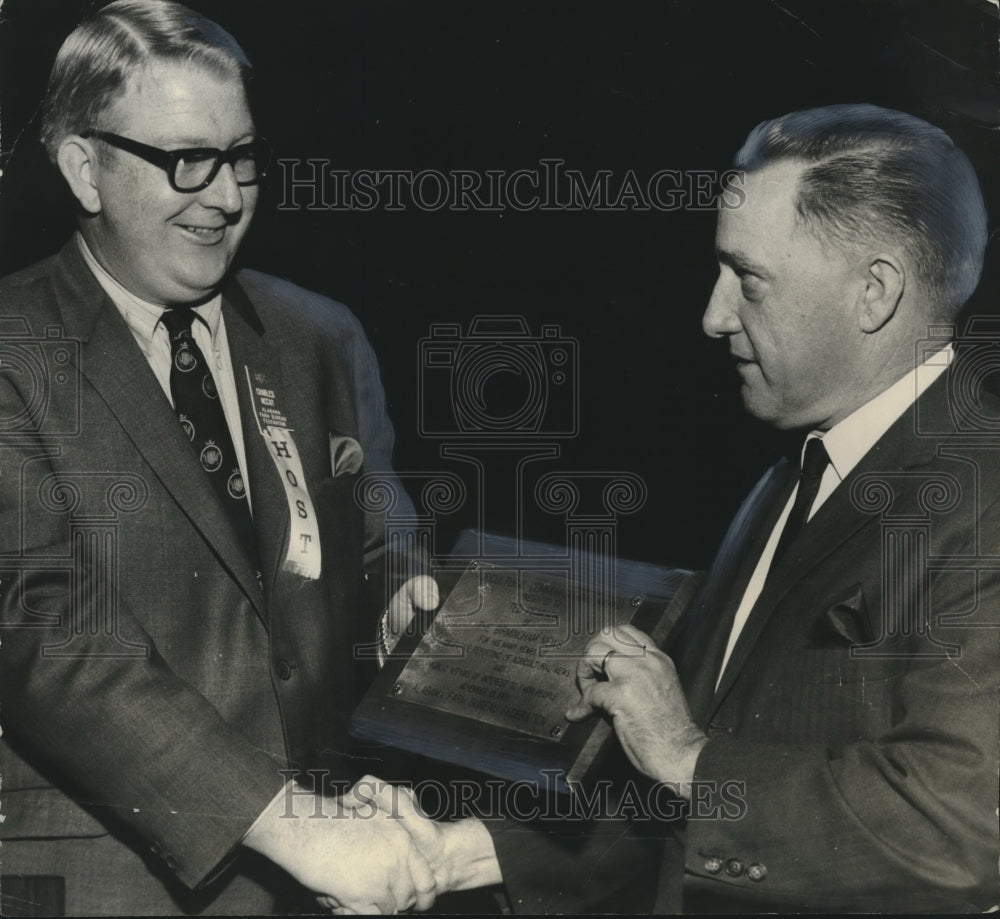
<point>884,286</point>
<point>77,160</point>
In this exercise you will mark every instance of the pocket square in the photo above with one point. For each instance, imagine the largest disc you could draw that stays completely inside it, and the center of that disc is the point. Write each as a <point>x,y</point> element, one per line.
<point>847,620</point>
<point>346,455</point>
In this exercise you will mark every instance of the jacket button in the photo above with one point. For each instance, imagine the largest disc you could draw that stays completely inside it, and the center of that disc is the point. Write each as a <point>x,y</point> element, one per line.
<point>284,670</point>
<point>756,872</point>
<point>734,867</point>
<point>713,865</point>
<point>171,863</point>
<point>154,847</point>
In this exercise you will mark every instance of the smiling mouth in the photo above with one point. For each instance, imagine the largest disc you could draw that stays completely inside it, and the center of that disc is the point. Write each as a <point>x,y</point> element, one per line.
<point>203,232</point>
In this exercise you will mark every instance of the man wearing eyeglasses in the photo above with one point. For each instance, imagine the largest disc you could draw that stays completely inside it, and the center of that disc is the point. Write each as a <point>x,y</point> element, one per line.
<point>185,566</point>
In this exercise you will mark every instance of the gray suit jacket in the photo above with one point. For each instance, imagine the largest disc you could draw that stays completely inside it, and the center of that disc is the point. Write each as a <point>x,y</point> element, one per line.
<point>853,739</point>
<point>153,687</point>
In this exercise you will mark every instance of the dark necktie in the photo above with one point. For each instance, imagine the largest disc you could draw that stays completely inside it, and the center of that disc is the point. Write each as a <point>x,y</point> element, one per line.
<point>196,402</point>
<point>814,464</point>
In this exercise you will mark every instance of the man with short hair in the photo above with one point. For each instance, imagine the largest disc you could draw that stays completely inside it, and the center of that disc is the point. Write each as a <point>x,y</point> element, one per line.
<point>840,663</point>
<point>186,573</point>
<point>832,721</point>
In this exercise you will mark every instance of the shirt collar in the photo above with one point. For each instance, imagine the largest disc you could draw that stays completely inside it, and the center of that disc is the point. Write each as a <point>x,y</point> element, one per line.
<point>141,316</point>
<point>849,440</point>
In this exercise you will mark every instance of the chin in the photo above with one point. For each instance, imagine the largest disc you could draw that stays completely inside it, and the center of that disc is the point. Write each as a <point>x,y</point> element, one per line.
<point>774,418</point>
<point>766,411</point>
<point>202,285</point>
<point>188,293</point>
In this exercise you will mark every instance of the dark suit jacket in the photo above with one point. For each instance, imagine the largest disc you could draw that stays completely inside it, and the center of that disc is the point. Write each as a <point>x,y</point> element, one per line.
<point>152,687</point>
<point>859,711</point>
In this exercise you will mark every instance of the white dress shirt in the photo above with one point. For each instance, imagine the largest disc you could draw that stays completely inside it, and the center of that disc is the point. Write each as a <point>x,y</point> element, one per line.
<point>143,321</point>
<point>846,443</point>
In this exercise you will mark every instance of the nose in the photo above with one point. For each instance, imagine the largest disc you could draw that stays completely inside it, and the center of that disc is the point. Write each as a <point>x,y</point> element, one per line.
<point>224,193</point>
<point>721,315</point>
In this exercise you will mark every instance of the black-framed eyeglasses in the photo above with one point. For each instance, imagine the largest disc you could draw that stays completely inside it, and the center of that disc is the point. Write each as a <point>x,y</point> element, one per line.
<point>195,168</point>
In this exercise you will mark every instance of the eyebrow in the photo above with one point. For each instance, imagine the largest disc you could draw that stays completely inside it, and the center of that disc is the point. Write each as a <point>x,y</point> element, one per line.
<point>193,142</point>
<point>739,260</point>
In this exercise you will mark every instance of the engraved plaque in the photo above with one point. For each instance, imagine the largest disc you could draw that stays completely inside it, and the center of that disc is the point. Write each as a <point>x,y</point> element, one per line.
<point>488,684</point>
<point>502,651</point>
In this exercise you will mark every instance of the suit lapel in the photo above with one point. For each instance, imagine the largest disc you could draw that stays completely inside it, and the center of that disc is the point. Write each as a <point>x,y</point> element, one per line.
<point>838,520</point>
<point>833,524</point>
<point>706,635</point>
<point>116,368</point>
<point>254,363</point>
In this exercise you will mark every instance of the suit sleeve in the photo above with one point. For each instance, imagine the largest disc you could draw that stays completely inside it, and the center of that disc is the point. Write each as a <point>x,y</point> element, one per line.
<point>375,432</point>
<point>387,568</point>
<point>105,713</point>
<point>573,866</point>
<point>903,820</point>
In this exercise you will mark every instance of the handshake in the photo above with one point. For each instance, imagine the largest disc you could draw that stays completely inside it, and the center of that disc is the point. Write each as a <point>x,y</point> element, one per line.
<point>378,853</point>
<point>372,850</point>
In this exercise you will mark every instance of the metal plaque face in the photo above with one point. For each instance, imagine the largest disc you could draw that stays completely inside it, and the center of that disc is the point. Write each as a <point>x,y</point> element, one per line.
<point>503,651</point>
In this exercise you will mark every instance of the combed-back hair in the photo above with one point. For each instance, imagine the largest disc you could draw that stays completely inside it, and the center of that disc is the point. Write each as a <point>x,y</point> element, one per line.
<point>95,62</point>
<point>873,174</point>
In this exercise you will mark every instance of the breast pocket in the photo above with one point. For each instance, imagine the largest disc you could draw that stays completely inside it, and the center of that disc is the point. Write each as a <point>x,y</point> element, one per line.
<point>841,644</point>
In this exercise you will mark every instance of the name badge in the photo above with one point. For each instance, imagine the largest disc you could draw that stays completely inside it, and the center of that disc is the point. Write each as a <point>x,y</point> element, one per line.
<point>304,554</point>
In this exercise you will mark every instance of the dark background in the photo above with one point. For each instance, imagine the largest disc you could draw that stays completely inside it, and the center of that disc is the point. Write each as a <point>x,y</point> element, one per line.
<point>618,86</point>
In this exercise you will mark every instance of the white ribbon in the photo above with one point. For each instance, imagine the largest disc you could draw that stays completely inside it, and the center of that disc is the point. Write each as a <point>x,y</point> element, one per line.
<point>304,554</point>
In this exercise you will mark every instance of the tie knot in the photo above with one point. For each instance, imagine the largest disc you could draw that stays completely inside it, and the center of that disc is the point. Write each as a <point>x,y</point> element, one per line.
<point>178,320</point>
<point>816,459</point>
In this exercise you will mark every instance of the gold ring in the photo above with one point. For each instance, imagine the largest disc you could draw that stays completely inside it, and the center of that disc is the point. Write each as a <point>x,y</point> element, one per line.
<point>604,661</point>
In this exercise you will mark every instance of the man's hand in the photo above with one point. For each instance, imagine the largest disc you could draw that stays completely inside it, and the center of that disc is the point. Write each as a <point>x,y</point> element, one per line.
<point>461,854</point>
<point>625,675</point>
<point>420,593</point>
<point>352,855</point>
